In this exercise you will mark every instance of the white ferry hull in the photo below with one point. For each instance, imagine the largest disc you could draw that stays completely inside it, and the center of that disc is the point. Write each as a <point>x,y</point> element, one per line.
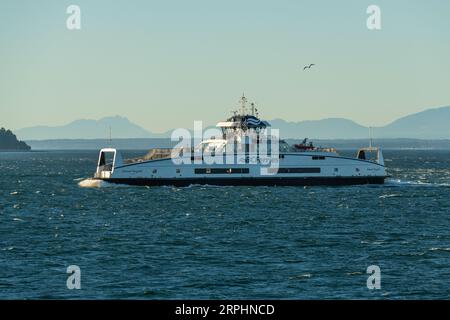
<point>295,169</point>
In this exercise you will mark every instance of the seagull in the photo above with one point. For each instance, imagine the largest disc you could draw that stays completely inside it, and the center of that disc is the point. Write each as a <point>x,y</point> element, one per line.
<point>308,67</point>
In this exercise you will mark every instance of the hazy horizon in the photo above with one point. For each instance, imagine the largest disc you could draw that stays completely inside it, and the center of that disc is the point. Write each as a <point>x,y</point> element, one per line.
<point>190,125</point>
<point>164,65</point>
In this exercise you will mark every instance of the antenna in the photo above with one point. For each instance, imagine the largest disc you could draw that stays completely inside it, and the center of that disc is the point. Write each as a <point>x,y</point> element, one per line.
<point>371,138</point>
<point>243,101</point>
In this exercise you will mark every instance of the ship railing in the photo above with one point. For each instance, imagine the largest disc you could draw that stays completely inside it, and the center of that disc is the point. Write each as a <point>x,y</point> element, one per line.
<point>315,149</point>
<point>160,153</point>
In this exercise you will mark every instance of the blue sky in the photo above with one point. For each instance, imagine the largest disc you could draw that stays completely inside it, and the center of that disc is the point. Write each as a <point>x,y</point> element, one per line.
<point>164,64</point>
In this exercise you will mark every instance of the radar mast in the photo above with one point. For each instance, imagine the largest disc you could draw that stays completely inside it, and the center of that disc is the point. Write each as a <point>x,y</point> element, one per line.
<point>243,101</point>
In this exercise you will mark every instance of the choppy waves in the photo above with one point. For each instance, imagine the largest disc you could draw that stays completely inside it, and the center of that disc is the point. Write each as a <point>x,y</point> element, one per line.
<point>406,183</point>
<point>222,242</point>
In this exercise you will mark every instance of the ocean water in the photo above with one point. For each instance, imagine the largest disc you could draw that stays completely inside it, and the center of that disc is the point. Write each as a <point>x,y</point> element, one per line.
<point>205,242</point>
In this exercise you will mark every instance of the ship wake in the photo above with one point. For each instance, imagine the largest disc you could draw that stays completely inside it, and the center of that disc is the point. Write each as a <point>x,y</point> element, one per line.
<point>96,183</point>
<point>407,183</point>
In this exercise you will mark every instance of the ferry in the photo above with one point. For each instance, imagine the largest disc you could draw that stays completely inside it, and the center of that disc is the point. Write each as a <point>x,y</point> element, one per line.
<point>245,153</point>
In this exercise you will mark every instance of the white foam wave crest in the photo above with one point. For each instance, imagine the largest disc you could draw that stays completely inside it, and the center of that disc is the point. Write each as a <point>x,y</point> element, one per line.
<point>96,183</point>
<point>398,182</point>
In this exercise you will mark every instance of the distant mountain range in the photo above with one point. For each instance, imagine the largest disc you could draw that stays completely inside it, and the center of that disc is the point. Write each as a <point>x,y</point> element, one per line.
<point>429,124</point>
<point>88,129</point>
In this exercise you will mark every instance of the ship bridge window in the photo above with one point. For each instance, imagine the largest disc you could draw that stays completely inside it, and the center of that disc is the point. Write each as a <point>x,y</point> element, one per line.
<point>318,157</point>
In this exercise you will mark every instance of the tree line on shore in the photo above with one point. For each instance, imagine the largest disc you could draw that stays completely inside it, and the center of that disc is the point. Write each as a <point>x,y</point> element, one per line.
<point>8,141</point>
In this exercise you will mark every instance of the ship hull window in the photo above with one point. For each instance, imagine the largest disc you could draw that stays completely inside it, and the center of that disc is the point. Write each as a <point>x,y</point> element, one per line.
<point>294,170</point>
<point>222,171</point>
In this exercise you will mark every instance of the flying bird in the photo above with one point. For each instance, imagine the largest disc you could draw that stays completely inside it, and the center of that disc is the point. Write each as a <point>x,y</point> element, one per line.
<point>308,67</point>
